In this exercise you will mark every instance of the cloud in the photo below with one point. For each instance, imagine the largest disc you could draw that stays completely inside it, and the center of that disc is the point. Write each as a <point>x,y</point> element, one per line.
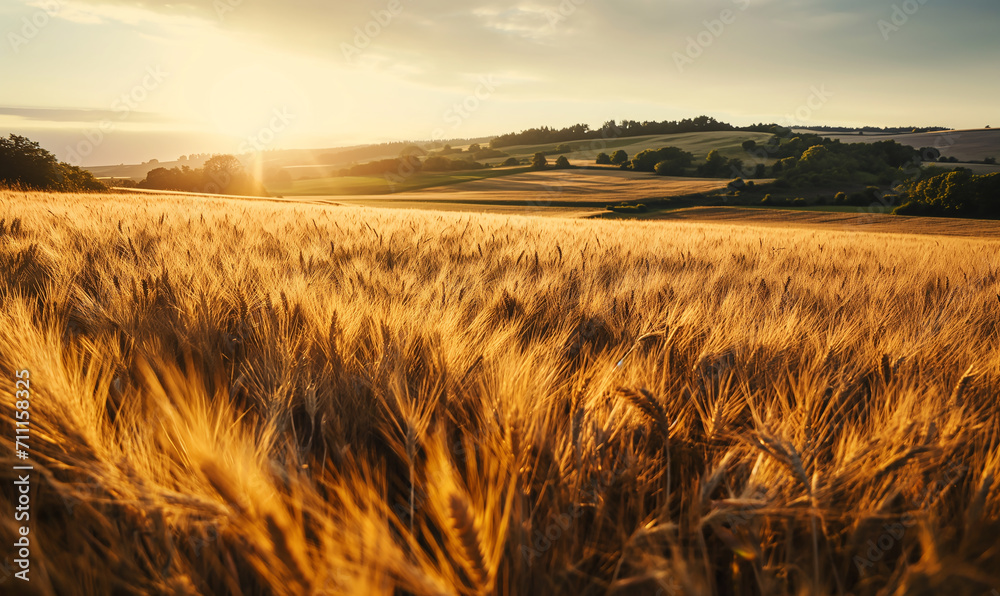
<point>73,115</point>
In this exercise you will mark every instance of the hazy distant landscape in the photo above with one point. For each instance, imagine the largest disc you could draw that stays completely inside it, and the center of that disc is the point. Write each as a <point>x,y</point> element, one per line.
<point>469,299</point>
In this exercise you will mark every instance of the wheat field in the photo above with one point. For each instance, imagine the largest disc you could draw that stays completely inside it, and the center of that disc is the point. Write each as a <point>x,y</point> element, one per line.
<point>234,397</point>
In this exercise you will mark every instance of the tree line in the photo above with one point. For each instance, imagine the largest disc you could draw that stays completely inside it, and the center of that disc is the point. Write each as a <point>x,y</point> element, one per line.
<point>610,129</point>
<point>674,161</point>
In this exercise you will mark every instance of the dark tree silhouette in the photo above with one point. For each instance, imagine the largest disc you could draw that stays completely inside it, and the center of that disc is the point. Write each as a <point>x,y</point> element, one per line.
<point>619,157</point>
<point>539,162</point>
<point>24,164</point>
<point>603,159</point>
<point>714,164</point>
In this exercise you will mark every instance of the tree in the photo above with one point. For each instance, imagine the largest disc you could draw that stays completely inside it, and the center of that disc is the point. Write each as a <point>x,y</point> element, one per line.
<point>603,159</point>
<point>667,168</point>
<point>538,162</point>
<point>511,161</point>
<point>714,164</point>
<point>474,148</point>
<point>562,163</point>
<point>24,163</point>
<point>619,157</point>
<point>760,171</point>
<point>675,161</point>
<point>749,145</point>
<point>222,165</point>
<point>930,153</point>
<point>437,163</point>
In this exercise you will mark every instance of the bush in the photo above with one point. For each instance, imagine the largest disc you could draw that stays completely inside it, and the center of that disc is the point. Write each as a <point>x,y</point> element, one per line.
<point>538,162</point>
<point>603,159</point>
<point>840,198</point>
<point>511,161</point>
<point>760,171</point>
<point>619,157</point>
<point>749,145</point>
<point>664,168</point>
<point>800,202</point>
<point>562,163</point>
<point>930,154</point>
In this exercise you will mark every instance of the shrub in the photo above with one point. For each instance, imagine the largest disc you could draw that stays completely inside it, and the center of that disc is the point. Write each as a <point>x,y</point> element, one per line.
<point>538,162</point>
<point>603,159</point>
<point>562,163</point>
<point>619,157</point>
<point>676,160</point>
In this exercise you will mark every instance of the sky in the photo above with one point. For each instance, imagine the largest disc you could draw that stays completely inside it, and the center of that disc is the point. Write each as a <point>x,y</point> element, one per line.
<point>118,81</point>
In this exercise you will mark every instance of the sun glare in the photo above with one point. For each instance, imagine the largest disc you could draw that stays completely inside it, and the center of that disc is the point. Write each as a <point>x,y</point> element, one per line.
<point>257,105</point>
